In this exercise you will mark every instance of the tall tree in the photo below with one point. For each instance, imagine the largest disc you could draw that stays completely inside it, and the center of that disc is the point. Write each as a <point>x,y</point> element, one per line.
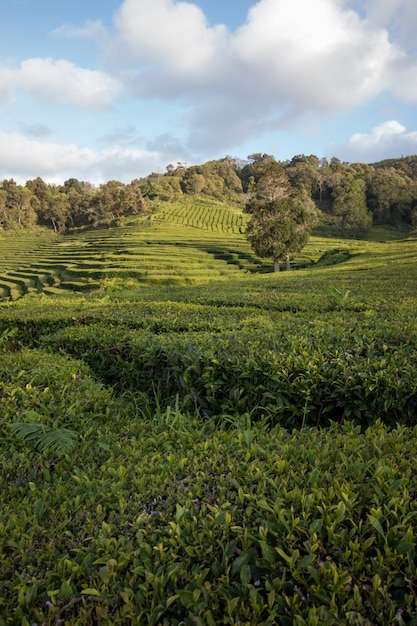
<point>80,196</point>
<point>391,195</point>
<point>303,173</point>
<point>3,209</point>
<point>278,228</point>
<point>18,210</point>
<point>133,201</point>
<point>58,211</point>
<point>281,216</point>
<point>42,198</point>
<point>273,182</point>
<point>108,200</point>
<point>193,182</point>
<point>349,206</point>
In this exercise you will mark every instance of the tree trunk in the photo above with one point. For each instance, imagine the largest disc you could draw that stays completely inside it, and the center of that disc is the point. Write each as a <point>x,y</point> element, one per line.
<point>276,266</point>
<point>288,263</point>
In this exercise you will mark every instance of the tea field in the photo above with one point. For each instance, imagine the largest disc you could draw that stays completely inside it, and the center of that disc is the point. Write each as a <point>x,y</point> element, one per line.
<point>182,243</point>
<point>241,450</point>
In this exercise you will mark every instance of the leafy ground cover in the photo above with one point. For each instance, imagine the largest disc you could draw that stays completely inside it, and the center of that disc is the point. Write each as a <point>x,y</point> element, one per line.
<point>241,452</point>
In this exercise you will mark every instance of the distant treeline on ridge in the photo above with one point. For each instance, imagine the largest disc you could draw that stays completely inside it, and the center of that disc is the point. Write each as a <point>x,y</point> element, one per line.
<point>383,193</point>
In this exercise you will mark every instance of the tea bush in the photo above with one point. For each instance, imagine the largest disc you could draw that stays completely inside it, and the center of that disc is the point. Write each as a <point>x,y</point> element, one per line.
<point>238,453</point>
<point>291,371</point>
<point>162,525</point>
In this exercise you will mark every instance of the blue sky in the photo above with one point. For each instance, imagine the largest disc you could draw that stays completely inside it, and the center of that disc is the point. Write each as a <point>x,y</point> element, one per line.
<point>116,89</point>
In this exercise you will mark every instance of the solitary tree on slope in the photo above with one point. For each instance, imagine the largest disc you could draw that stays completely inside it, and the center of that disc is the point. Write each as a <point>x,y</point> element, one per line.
<point>278,228</point>
<point>281,217</point>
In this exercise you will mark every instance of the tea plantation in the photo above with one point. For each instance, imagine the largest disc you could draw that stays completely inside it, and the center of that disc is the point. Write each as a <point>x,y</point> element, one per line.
<point>234,448</point>
<point>183,243</point>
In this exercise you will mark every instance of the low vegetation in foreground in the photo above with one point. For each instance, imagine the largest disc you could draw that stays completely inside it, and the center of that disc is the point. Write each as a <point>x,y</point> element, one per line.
<point>238,452</point>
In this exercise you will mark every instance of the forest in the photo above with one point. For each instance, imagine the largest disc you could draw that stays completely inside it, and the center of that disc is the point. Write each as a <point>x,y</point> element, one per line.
<point>349,197</point>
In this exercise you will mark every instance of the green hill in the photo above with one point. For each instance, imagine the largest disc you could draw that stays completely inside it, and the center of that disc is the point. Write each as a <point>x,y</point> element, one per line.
<point>236,451</point>
<point>183,243</point>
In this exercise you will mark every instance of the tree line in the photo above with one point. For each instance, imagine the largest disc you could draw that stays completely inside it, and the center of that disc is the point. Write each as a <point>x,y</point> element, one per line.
<point>347,198</point>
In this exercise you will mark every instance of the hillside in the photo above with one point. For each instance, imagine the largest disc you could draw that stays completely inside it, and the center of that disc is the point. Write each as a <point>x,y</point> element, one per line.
<point>237,451</point>
<point>183,243</point>
<point>349,197</point>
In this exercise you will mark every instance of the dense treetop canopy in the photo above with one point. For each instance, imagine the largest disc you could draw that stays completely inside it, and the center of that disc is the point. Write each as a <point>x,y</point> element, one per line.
<point>348,197</point>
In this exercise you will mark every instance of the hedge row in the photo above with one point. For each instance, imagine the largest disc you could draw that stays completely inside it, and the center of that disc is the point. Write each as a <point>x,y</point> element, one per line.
<point>170,521</point>
<point>296,371</point>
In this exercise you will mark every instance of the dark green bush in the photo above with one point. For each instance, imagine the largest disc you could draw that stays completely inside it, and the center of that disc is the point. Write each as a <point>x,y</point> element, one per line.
<point>251,526</point>
<point>295,372</point>
<point>332,257</point>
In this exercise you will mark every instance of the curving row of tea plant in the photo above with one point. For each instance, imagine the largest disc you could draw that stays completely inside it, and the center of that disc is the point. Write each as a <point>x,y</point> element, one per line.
<point>289,373</point>
<point>205,214</point>
<point>159,519</point>
<point>241,452</point>
<point>181,244</point>
<point>145,253</point>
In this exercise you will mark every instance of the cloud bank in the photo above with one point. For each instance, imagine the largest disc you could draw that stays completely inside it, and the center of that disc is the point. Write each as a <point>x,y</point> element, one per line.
<point>23,159</point>
<point>290,61</point>
<point>388,139</point>
<point>289,66</point>
<point>59,82</point>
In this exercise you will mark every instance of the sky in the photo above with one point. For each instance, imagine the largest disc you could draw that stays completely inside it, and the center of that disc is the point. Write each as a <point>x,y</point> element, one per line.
<point>103,90</point>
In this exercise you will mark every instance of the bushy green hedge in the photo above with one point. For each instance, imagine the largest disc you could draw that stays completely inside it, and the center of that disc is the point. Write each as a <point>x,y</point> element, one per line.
<point>296,371</point>
<point>168,523</point>
<point>145,473</point>
<point>58,389</point>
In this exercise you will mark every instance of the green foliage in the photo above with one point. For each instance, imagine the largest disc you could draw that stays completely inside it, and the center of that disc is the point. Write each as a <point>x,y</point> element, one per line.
<point>278,228</point>
<point>361,372</point>
<point>314,527</point>
<point>349,207</point>
<point>244,449</point>
<point>53,391</point>
<point>340,295</point>
<point>334,256</point>
<point>59,441</point>
<point>352,195</point>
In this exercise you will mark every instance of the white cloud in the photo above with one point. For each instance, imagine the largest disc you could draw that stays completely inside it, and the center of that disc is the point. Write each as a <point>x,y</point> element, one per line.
<point>172,35</point>
<point>63,82</point>
<point>126,164</point>
<point>388,140</point>
<point>59,82</point>
<point>24,159</point>
<point>313,56</point>
<point>398,16</point>
<point>290,63</point>
<point>90,30</point>
<point>7,81</point>
<point>403,77</point>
